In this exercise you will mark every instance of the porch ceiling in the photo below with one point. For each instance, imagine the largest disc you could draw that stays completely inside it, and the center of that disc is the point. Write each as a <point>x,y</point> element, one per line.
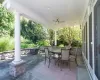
<point>51,13</point>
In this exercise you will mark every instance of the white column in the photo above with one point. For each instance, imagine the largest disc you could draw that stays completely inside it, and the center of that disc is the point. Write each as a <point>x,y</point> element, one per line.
<point>93,60</point>
<point>17,38</point>
<point>55,37</point>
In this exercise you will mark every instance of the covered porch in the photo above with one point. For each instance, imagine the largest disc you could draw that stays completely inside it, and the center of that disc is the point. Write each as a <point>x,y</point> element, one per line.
<point>52,14</point>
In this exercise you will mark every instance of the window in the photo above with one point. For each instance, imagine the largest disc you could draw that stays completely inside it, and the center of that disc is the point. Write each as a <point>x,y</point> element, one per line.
<point>86,40</point>
<point>90,39</point>
<point>97,38</point>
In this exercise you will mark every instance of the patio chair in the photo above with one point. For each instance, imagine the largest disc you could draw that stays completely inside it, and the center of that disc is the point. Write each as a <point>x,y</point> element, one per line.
<point>68,47</point>
<point>73,55</point>
<point>50,48</point>
<point>64,57</point>
<point>54,55</point>
<point>41,49</point>
<point>48,56</point>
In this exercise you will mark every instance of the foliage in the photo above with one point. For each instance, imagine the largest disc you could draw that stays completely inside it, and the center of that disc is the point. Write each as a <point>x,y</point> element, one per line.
<point>6,26</point>
<point>61,45</point>
<point>33,34</point>
<point>51,36</point>
<point>61,41</point>
<point>1,1</point>
<point>6,21</point>
<point>32,30</point>
<point>76,44</point>
<point>65,34</point>
<point>69,35</point>
<point>26,45</point>
<point>6,43</point>
<point>23,40</point>
<point>43,43</point>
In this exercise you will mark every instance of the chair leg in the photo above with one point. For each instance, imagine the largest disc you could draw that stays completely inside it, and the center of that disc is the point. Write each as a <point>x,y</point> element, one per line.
<point>61,65</point>
<point>58,62</point>
<point>55,61</point>
<point>69,64</point>
<point>49,62</point>
<point>76,61</point>
<point>45,59</point>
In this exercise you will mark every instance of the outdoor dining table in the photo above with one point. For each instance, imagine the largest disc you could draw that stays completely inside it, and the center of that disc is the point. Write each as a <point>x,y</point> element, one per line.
<point>56,51</point>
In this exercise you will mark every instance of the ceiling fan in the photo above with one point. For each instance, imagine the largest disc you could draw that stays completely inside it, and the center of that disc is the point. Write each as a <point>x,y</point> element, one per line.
<point>58,21</point>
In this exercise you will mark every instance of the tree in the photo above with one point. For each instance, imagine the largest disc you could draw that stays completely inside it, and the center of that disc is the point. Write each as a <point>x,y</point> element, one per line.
<point>6,21</point>
<point>1,1</point>
<point>51,36</point>
<point>32,30</point>
<point>69,34</point>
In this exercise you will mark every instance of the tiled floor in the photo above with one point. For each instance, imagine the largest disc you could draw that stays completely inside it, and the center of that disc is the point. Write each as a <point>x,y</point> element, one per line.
<point>42,72</point>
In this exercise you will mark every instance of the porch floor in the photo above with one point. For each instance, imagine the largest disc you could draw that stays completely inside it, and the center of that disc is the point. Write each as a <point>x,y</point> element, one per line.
<point>37,70</point>
<point>42,72</point>
<point>82,73</point>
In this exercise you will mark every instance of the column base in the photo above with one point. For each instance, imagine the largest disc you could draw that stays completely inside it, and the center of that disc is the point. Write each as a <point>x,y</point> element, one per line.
<point>17,68</point>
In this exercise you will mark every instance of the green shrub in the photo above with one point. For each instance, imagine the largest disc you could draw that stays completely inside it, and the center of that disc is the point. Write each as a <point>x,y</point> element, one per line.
<point>23,40</point>
<point>23,45</point>
<point>61,45</point>
<point>6,43</point>
<point>11,43</point>
<point>59,42</point>
<point>3,45</point>
<point>76,43</point>
<point>26,45</point>
<point>43,43</point>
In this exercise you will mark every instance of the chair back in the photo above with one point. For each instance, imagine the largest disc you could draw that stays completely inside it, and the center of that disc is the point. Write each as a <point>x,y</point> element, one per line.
<point>41,48</point>
<point>79,51</point>
<point>64,54</point>
<point>74,51</point>
<point>50,48</point>
<point>67,47</point>
<point>46,52</point>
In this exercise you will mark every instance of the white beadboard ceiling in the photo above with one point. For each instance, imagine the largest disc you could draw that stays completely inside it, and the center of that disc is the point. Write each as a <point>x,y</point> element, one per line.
<point>52,13</point>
